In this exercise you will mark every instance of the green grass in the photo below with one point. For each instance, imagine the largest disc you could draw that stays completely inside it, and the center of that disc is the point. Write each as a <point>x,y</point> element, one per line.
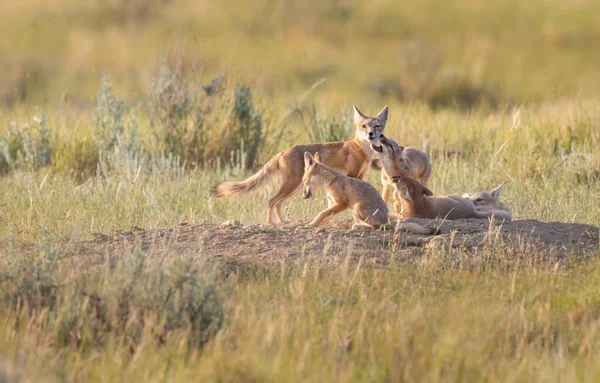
<point>493,92</point>
<point>492,316</point>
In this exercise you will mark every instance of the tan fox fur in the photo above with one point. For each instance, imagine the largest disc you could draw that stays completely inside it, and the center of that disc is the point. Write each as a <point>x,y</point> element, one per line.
<point>345,192</point>
<point>488,201</point>
<point>418,202</point>
<point>350,158</point>
<point>396,160</point>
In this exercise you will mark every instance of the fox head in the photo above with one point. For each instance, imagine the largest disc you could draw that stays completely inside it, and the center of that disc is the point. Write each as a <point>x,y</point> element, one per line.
<point>370,129</point>
<point>488,200</point>
<point>391,157</point>
<point>311,178</point>
<point>409,189</point>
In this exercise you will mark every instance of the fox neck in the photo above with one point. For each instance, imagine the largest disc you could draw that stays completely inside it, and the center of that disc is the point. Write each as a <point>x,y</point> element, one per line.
<point>390,169</point>
<point>326,176</point>
<point>364,144</point>
<point>419,206</point>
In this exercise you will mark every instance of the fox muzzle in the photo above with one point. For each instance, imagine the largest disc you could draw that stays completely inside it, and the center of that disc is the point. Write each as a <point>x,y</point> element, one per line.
<point>375,140</point>
<point>306,193</point>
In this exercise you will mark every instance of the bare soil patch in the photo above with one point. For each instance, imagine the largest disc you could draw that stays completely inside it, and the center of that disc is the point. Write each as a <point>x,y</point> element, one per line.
<point>237,244</point>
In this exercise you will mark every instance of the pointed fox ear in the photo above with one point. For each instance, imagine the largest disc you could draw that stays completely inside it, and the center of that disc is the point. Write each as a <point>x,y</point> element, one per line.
<point>496,192</point>
<point>318,158</point>
<point>309,160</point>
<point>427,192</point>
<point>358,116</point>
<point>397,149</point>
<point>383,115</point>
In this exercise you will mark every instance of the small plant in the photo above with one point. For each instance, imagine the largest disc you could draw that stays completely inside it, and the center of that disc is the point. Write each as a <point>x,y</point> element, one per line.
<point>24,147</point>
<point>247,125</point>
<point>29,279</point>
<point>203,125</point>
<point>171,101</point>
<point>120,150</point>
<point>176,113</point>
<point>108,117</point>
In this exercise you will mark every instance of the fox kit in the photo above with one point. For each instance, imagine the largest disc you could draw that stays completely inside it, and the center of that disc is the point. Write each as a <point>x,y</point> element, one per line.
<point>345,192</point>
<point>350,158</point>
<point>488,201</point>
<point>419,203</point>
<point>395,161</point>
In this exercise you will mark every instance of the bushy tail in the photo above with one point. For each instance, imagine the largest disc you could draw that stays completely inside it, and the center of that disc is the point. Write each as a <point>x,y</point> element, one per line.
<point>263,176</point>
<point>376,164</point>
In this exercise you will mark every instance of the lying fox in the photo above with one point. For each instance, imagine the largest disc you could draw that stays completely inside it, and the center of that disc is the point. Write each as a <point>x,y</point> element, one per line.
<point>345,192</point>
<point>396,160</point>
<point>418,202</point>
<point>350,158</point>
<point>488,201</point>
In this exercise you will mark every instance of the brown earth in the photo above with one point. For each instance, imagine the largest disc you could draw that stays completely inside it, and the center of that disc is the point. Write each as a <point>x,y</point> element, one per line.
<point>248,245</point>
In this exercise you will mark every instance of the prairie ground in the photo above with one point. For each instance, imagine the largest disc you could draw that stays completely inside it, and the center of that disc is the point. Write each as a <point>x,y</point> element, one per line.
<point>117,264</point>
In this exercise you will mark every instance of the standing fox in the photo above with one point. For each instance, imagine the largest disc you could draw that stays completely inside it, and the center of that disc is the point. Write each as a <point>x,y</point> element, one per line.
<point>395,161</point>
<point>350,158</point>
<point>345,192</point>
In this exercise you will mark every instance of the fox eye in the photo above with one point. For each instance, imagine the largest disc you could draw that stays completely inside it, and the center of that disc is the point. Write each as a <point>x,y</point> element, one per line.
<point>364,126</point>
<point>478,200</point>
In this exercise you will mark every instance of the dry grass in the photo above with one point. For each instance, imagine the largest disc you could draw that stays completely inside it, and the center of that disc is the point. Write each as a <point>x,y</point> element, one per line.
<point>78,167</point>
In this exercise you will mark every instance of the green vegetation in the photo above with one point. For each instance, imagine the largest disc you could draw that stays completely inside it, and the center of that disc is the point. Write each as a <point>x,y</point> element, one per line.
<point>119,115</point>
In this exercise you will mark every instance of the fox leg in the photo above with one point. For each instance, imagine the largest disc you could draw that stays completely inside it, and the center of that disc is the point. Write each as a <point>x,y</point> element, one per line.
<point>278,206</point>
<point>358,223</point>
<point>370,221</point>
<point>398,203</point>
<point>363,173</point>
<point>330,200</point>
<point>289,185</point>
<point>326,214</point>
<point>385,193</point>
<point>387,187</point>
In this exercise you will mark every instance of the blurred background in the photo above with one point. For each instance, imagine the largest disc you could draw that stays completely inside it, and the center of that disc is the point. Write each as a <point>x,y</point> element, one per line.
<point>459,53</point>
<point>89,85</point>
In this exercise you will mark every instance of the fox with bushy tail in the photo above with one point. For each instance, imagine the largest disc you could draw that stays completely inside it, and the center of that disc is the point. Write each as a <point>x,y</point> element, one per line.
<point>351,158</point>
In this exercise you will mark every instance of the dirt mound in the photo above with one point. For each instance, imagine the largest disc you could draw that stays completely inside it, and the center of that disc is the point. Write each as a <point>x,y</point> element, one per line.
<point>233,242</point>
